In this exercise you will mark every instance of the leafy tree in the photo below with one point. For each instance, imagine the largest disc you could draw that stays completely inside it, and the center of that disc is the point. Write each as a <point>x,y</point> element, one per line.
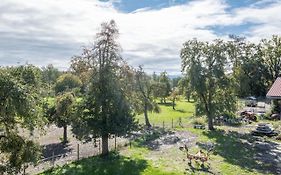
<point>184,88</point>
<point>82,67</point>
<point>174,96</point>
<point>106,109</point>
<point>165,86</point>
<point>27,75</point>
<point>205,64</point>
<point>248,68</point>
<point>67,82</point>
<point>19,108</point>
<point>144,88</point>
<point>62,112</point>
<point>271,54</point>
<point>49,76</point>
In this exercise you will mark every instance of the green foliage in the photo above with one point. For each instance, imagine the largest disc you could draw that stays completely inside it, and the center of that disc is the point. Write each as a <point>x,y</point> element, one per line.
<point>49,77</point>
<point>249,69</point>
<point>204,63</point>
<point>271,55</point>
<point>18,109</point>
<point>61,112</point>
<point>67,82</point>
<point>105,109</point>
<point>19,151</point>
<point>145,86</point>
<point>26,75</point>
<point>199,121</point>
<point>165,85</point>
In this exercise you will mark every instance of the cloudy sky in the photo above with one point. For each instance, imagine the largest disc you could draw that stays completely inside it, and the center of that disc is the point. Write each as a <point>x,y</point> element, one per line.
<point>45,32</point>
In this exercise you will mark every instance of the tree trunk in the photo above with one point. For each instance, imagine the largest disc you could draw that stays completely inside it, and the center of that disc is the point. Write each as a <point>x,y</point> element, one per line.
<point>210,122</point>
<point>104,139</point>
<point>164,100</point>
<point>65,134</point>
<point>174,104</point>
<point>147,123</point>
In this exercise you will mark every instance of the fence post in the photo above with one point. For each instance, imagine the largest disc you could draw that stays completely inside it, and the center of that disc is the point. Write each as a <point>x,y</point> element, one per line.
<point>180,123</point>
<point>78,151</point>
<point>115,141</point>
<point>99,146</point>
<point>163,125</point>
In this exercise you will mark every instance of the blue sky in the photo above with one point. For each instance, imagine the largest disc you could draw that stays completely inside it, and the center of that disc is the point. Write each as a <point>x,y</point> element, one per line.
<point>151,31</point>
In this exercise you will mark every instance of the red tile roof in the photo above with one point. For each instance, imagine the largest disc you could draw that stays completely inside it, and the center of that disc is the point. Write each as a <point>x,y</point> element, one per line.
<point>275,90</point>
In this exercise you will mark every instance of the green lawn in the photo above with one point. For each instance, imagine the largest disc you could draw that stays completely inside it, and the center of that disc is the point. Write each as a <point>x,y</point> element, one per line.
<point>233,153</point>
<point>183,110</point>
<point>114,164</point>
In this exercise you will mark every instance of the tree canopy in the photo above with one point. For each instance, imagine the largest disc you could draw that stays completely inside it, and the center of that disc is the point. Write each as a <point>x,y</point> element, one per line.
<point>106,109</point>
<point>205,64</point>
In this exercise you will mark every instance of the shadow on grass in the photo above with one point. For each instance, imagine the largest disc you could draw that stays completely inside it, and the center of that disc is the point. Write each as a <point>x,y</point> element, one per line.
<point>166,104</point>
<point>149,138</point>
<point>55,149</point>
<point>112,164</point>
<point>240,149</point>
<point>198,168</point>
<point>180,110</point>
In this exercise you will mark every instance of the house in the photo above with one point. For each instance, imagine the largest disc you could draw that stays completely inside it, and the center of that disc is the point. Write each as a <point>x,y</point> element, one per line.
<point>275,90</point>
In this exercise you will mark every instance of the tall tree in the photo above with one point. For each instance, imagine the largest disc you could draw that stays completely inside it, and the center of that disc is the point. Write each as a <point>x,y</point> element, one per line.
<point>144,87</point>
<point>174,96</point>
<point>248,68</point>
<point>205,64</point>
<point>165,86</point>
<point>62,112</point>
<point>106,109</point>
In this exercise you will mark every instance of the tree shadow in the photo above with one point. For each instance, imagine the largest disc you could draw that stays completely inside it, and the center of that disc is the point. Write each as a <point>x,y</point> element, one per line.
<point>112,164</point>
<point>166,104</point>
<point>150,138</point>
<point>242,150</point>
<point>199,168</point>
<point>180,110</point>
<point>55,149</point>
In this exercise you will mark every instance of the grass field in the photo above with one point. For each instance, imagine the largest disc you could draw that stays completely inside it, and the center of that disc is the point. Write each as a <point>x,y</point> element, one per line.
<point>183,110</point>
<point>234,152</point>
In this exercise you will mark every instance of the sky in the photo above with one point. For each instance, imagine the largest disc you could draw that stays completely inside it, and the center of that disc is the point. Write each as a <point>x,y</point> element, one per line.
<point>151,31</point>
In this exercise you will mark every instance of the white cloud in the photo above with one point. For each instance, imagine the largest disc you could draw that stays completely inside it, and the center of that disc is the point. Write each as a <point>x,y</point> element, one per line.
<point>53,30</point>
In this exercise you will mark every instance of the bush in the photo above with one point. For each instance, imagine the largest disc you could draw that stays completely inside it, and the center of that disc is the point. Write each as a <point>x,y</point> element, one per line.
<point>199,121</point>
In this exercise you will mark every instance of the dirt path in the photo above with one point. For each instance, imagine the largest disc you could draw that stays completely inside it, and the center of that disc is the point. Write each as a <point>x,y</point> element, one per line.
<point>52,147</point>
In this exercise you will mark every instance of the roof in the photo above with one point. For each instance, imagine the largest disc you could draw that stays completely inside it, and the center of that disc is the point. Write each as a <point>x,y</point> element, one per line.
<point>275,90</point>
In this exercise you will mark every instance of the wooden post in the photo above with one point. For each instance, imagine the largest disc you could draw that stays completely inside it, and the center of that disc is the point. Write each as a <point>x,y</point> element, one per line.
<point>115,142</point>
<point>99,146</point>
<point>78,152</point>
